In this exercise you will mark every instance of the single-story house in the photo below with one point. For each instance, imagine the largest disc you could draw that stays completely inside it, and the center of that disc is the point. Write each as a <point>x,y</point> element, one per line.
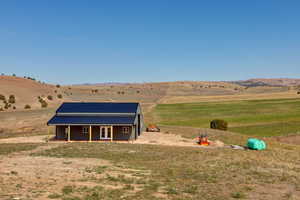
<point>91,121</point>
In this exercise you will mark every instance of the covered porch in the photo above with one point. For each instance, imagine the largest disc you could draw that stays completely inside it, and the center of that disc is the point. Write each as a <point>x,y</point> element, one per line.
<point>95,133</point>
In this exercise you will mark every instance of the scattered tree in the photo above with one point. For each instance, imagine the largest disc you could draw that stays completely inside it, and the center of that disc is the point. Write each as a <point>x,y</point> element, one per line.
<point>44,104</point>
<point>12,99</point>
<point>27,106</point>
<point>6,106</point>
<point>49,97</point>
<point>2,97</point>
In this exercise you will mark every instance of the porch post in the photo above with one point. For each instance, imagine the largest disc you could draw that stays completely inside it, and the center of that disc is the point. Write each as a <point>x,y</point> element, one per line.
<point>112,133</point>
<point>48,134</point>
<point>69,133</point>
<point>90,133</point>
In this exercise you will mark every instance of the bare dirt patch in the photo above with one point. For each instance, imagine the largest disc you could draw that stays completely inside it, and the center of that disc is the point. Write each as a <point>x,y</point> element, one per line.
<point>31,139</point>
<point>171,140</point>
<point>290,139</point>
<point>23,176</point>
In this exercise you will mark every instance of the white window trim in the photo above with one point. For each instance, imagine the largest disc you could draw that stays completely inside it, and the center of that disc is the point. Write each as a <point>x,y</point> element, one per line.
<point>85,130</point>
<point>126,130</point>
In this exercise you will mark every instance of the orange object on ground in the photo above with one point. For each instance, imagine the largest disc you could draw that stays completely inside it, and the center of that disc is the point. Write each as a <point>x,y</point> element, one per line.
<point>203,140</point>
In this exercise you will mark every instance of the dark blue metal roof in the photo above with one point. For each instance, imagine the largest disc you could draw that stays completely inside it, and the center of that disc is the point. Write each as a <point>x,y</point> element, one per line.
<point>89,107</point>
<point>82,120</point>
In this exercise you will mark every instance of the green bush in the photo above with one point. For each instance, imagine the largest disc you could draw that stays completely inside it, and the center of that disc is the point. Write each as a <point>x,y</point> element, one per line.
<point>59,96</point>
<point>49,97</point>
<point>27,107</point>
<point>219,124</point>
<point>12,99</point>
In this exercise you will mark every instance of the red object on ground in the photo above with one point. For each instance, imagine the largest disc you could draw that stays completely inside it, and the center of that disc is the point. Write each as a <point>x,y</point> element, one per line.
<point>203,141</point>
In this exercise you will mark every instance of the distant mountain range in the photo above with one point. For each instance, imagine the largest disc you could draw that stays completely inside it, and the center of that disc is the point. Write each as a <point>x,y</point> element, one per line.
<point>275,82</point>
<point>279,82</point>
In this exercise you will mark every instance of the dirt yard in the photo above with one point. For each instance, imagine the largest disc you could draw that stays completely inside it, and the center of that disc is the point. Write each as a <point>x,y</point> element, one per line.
<point>171,140</point>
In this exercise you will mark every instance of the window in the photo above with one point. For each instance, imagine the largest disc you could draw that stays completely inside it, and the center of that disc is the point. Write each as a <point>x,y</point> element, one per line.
<point>85,130</point>
<point>125,130</point>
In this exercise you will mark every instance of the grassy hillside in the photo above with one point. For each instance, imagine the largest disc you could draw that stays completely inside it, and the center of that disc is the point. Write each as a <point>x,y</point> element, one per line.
<point>254,117</point>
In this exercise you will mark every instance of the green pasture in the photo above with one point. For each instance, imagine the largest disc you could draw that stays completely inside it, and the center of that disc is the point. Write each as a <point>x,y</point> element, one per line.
<point>252,117</point>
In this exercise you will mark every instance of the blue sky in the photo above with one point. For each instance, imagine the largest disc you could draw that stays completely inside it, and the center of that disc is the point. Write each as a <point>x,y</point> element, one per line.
<point>72,41</point>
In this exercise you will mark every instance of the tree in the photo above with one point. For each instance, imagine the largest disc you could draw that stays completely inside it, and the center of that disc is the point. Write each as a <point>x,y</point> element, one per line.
<point>2,97</point>
<point>44,104</point>
<point>49,97</point>
<point>12,99</point>
<point>27,106</point>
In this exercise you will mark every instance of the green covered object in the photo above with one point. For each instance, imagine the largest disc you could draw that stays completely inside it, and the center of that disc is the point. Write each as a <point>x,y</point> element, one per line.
<point>256,144</point>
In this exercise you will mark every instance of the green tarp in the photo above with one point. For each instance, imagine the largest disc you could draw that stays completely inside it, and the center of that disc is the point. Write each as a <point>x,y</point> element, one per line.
<point>256,144</point>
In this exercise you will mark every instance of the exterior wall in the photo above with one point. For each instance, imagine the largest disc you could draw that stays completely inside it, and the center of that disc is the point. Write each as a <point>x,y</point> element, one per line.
<point>119,135</point>
<point>139,121</point>
<point>60,132</point>
<point>77,135</point>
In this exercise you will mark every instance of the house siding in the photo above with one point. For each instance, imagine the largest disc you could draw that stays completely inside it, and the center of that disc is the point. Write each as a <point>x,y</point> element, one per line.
<point>77,135</point>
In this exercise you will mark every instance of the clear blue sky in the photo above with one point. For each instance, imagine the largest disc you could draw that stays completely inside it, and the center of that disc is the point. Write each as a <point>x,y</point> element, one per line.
<point>73,41</point>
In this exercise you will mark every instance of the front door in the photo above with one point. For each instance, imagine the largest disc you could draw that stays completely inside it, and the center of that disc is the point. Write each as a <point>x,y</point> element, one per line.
<point>105,132</point>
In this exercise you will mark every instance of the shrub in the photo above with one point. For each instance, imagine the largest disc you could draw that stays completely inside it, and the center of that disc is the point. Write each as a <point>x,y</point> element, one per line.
<point>14,107</point>
<point>44,104</point>
<point>12,99</point>
<point>2,97</point>
<point>49,97</point>
<point>27,107</point>
<point>59,96</point>
<point>58,86</point>
<point>1,109</point>
<point>6,106</point>
<point>14,75</point>
<point>55,91</point>
<point>219,124</point>
<point>298,92</point>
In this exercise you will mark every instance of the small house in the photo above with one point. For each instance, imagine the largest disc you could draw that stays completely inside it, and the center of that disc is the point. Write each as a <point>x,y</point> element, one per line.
<point>78,121</point>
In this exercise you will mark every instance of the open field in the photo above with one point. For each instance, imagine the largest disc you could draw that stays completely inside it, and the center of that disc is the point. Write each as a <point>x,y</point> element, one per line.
<point>161,172</point>
<point>167,165</point>
<point>252,117</point>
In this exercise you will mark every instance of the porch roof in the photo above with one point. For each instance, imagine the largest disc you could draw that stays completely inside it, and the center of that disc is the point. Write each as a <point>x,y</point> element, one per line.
<point>92,120</point>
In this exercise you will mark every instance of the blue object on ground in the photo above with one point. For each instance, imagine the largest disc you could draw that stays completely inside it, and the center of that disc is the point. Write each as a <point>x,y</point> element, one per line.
<point>256,144</point>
